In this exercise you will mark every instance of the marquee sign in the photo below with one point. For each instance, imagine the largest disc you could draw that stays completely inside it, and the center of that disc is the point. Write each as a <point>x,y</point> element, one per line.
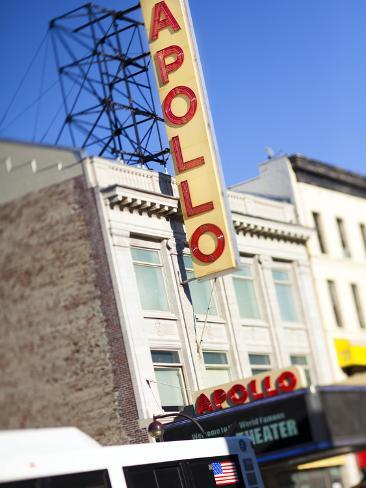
<point>185,108</point>
<point>264,385</point>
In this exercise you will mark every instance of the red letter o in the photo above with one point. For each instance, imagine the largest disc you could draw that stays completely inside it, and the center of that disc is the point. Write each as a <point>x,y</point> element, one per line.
<point>167,105</point>
<point>287,381</point>
<point>220,243</point>
<point>237,394</point>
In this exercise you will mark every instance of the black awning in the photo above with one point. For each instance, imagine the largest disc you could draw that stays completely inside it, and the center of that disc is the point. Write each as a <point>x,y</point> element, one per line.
<point>304,425</point>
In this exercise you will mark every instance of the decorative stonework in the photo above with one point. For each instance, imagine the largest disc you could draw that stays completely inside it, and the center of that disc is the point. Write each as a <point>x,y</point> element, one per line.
<point>270,229</point>
<point>122,198</point>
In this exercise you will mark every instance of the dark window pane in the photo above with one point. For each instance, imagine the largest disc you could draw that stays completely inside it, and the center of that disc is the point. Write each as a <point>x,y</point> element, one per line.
<point>154,476</point>
<point>259,359</point>
<point>248,464</point>
<point>319,231</point>
<point>335,304</point>
<point>145,255</point>
<point>138,477</point>
<point>252,479</point>
<point>170,357</point>
<point>22,484</point>
<point>282,276</point>
<point>215,357</point>
<point>188,264</point>
<point>343,238</point>
<point>92,479</point>
<point>299,360</point>
<point>203,296</point>
<point>246,298</point>
<point>259,370</point>
<point>151,286</point>
<point>363,235</point>
<point>171,388</point>
<point>244,270</point>
<point>358,305</point>
<point>286,302</point>
<point>169,477</point>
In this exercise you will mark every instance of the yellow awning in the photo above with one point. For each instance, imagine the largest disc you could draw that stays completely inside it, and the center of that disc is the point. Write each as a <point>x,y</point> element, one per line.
<point>324,463</point>
<point>350,354</point>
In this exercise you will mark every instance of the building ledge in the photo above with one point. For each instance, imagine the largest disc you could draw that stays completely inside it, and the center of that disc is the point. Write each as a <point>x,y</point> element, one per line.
<point>270,229</point>
<point>142,202</point>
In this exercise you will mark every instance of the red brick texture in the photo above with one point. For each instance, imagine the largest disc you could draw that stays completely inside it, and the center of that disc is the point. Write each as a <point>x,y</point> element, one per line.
<point>62,355</point>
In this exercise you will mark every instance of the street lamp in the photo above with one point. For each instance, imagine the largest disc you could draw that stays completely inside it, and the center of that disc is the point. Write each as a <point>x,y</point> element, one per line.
<point>156,428</point>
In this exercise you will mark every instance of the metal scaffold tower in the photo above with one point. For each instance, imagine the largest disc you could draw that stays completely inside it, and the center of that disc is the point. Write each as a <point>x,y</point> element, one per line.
<point>108,98</point>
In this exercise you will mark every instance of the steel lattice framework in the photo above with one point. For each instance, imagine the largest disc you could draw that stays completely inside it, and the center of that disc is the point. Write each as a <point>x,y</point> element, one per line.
<point>103,68</point>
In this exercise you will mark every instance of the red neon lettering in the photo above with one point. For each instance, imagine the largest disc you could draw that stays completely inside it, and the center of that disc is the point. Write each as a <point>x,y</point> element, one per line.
<point>218,398</point>
<point>253,390</point>
<point>220,243</point>
<point>162,18</point>
<point>237,394</point>
<point>190,209</point>
<point>203,404</point>
<point>163,68</point>
<point>268,388</point>
<point>192,105</point>
<point>180,164</point>
<point>287,381</point>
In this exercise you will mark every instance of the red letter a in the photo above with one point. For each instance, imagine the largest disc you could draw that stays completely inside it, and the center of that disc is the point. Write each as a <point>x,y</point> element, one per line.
<point>203,404</point>
<point>162,18</point>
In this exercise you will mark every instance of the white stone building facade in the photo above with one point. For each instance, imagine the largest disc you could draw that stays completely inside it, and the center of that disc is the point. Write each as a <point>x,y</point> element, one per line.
<point>333,201</point>
<point>183,337</point>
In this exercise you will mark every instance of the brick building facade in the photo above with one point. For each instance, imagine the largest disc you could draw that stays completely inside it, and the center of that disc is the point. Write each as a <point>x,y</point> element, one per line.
<point>63,359</point>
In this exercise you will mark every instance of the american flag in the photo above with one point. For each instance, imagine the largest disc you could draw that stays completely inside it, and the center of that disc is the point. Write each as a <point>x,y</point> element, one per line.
<point>225,473</point>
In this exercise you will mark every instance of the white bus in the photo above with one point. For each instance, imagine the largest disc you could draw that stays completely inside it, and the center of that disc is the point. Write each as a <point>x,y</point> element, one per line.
<point>67,458</point>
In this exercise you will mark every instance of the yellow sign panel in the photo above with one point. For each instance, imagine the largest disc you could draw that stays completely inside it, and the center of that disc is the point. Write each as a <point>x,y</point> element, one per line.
<point>350,354</point>
<point>185,108</point>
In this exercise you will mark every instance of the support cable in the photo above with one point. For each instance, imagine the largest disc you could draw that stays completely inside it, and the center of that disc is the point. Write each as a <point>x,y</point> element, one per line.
<point>206,317</point>
<point>152,392</point>
<point>40,91</point>
<point>57,113</point>
<point>29,106</point>
<point>23,79</point>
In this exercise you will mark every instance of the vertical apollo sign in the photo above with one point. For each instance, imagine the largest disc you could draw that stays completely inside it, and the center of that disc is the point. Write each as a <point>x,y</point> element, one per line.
<point>190,133</point>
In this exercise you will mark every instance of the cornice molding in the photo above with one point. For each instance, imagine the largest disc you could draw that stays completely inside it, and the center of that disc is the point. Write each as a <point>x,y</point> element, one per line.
<point>253,226</point>
<point>118,197</point>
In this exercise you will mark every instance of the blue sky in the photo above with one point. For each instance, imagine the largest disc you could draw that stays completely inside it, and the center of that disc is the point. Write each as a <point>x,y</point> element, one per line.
<point>286,74</point>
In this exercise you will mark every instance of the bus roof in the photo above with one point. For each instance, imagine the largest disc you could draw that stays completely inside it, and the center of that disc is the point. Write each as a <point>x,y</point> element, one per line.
<point>17,442</point>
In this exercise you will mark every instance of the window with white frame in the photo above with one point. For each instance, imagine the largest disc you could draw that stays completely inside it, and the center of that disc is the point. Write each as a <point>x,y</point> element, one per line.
<point>286,296</point>
<point>150,279</point>
<point>202,293</point>
<point>245,292</point>
<point>260,363</point>
<point>217,368</point>
<point>169,378</point>
<point>303,361</point>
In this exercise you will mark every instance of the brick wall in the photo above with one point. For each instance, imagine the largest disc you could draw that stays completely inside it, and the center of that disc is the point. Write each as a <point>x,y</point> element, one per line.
<point>62,356</point>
